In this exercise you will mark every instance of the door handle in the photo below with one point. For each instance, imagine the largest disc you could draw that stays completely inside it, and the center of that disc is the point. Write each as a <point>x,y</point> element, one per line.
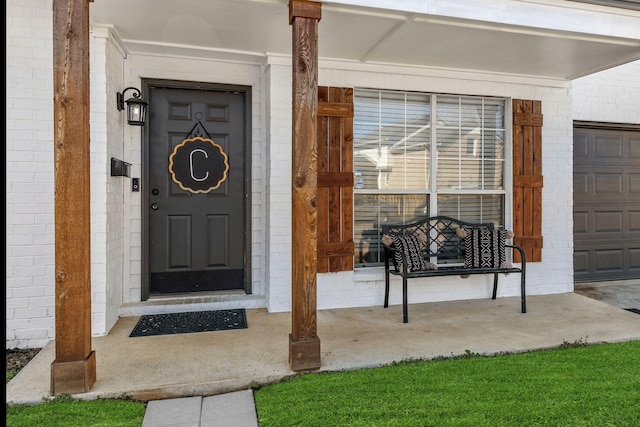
<point>154,206</point>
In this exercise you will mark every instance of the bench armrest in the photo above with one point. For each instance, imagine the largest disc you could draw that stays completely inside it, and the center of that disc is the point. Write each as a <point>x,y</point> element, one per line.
<point>389,254</point>
<point>523,257</point>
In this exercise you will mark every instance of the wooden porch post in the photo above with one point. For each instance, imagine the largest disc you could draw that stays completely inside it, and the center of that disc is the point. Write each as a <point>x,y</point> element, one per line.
<point>74,368</point>
<point>304,344</point>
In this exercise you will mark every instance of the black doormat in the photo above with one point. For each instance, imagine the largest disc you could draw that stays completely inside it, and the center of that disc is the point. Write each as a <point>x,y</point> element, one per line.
<point>184,323</point>
<point>633,310</point>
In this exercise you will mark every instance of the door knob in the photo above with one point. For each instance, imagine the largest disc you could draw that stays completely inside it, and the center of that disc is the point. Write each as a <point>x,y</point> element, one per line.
<point>154,206</point>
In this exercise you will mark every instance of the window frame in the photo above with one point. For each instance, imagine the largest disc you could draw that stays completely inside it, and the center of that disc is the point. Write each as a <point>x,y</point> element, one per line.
<point>432,192</point>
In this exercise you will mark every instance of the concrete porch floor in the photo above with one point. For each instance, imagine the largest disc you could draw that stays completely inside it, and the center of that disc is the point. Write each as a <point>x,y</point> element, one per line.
<point>211,363</point>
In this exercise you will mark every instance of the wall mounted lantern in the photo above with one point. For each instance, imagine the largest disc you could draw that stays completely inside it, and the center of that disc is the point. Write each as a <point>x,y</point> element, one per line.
<point>136,106</point>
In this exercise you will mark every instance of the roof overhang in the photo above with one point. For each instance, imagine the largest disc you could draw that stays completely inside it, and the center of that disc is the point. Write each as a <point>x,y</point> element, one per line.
<point>539,38</point>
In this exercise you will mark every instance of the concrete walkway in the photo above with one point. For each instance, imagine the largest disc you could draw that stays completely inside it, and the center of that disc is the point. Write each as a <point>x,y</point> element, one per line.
<point>236,409</point>
<point>621,293</point>
<point>188,377</point>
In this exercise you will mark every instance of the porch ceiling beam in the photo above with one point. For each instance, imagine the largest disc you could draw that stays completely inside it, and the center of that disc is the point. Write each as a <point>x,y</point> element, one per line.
<point>304,343</point>
<point>74,368</point>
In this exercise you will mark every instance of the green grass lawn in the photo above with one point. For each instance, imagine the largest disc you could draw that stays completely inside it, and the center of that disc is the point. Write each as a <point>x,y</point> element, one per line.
<point>575,385</point>
<point>66,412</point>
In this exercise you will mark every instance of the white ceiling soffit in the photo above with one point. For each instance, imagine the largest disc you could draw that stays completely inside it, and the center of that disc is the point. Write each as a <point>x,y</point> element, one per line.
<point>541,38</point>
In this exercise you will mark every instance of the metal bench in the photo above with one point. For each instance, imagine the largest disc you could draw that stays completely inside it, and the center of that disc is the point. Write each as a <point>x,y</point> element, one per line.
<point>447,247</point>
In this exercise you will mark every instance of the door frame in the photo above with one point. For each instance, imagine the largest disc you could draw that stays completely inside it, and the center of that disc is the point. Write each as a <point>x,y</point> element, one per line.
<point>146,86</point>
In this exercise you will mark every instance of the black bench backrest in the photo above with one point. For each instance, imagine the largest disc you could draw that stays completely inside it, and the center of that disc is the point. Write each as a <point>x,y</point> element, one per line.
<point>442,240</point>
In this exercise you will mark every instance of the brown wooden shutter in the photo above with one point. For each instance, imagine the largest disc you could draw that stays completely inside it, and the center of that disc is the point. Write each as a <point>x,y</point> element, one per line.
<point>335,179</point>
<point>527,178</point>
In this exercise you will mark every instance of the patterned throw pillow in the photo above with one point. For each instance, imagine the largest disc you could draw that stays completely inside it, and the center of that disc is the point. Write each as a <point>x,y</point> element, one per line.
<point>485,248</point>
<point>411,247</point>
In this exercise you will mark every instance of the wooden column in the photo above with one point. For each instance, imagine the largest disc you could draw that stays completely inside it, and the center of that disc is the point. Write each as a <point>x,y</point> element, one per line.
<point>304,344</point>
<point>74,368</point>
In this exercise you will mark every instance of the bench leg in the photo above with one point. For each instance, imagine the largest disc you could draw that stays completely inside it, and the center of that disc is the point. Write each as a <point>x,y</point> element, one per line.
<point>523,277</point>
<point>495,285</point>
<point>386,289</point>
<point>405,309</point>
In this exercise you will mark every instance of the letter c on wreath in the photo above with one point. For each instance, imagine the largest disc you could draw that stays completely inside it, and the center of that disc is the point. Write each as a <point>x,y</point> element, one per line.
<point>198,165</point>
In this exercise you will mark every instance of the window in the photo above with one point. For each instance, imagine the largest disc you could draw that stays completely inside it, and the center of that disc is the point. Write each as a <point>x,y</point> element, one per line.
<point>417,154</point>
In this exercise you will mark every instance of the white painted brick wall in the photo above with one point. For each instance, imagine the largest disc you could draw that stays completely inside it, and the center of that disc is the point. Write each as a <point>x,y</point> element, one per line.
<point>279,185</point>
<point>555,273</point>
<point>30,286</point>
<point>609,96</point>
<point>100,202</point>
<point>109,217</point>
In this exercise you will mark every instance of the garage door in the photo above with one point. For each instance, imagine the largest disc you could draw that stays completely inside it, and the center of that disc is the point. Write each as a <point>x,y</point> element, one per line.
<point>606,213</point>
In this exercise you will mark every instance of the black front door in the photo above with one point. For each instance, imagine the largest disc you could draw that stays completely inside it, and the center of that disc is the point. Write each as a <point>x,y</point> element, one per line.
<point>197,189</point>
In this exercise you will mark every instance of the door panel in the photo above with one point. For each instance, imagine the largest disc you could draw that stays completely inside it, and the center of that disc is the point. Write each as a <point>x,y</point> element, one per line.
<point>606,241</point>
<point>179,245</point>
<point>218,225</point>
<point>197,235</point>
